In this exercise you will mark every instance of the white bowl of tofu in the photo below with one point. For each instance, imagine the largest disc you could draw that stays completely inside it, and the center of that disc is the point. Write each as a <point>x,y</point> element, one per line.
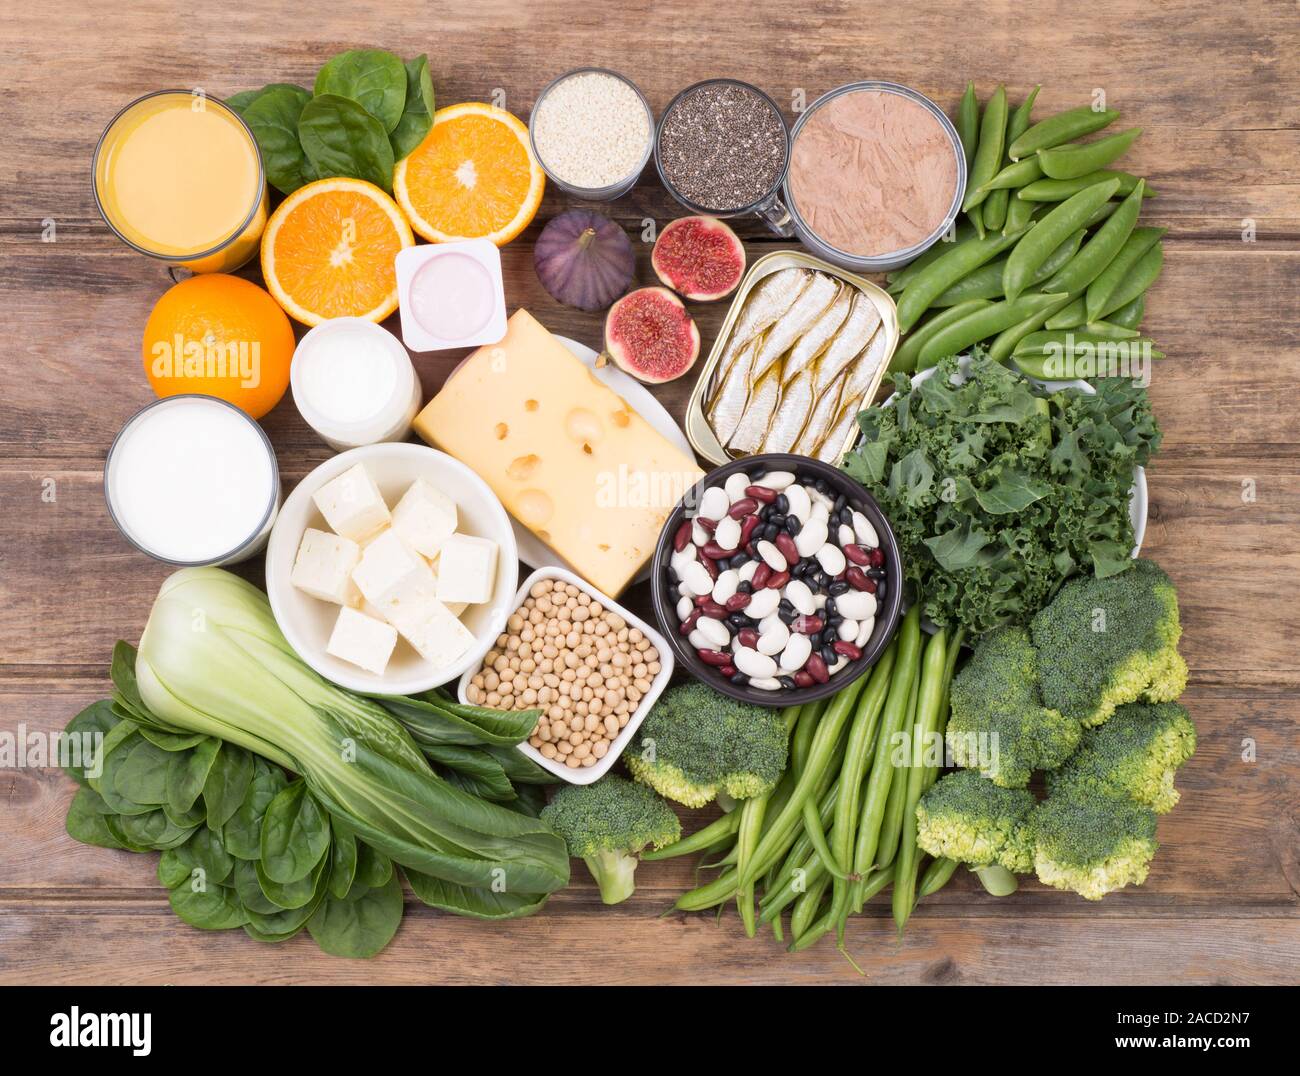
<point>391,569</point>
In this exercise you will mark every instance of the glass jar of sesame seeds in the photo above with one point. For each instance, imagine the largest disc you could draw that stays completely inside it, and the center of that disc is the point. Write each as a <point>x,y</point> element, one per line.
<point>592,130</point>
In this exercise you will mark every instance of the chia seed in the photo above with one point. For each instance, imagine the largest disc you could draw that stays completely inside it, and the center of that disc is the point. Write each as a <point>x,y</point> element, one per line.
<point>722,146</point>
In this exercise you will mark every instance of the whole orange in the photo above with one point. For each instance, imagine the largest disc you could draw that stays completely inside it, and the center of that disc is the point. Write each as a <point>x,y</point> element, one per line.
<point>221,336</point>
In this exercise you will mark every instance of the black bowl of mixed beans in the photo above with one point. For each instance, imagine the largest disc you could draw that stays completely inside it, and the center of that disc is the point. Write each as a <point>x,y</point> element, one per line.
<point>777,580</point>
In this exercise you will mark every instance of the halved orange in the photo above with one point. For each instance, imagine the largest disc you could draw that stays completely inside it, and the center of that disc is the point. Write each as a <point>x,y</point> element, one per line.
<point>328,251</point>
<point>473,177</point>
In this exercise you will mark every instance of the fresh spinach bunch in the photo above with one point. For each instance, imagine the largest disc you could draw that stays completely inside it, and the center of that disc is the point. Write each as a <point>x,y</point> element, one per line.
<point>246,844</point>
<point>998,490</point>
<point>366,111</point>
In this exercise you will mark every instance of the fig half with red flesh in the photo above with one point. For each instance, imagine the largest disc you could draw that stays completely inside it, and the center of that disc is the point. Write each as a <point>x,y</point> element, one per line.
<point>699,258</point>
<point>649,334</point>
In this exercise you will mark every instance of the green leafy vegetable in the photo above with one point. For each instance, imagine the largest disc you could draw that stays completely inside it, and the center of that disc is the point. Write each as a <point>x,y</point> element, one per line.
<point>373,78</point>
<point>340,138</point>
<point>417,115</point>
<point>358,925</point>
<point>273,119</point>
<point>295,834</point>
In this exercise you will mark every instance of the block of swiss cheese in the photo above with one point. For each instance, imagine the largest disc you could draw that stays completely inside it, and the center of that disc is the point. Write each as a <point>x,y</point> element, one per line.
<point>568,457</point>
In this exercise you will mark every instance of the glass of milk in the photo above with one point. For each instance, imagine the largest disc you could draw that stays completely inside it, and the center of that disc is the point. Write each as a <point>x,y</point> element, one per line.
<point>192,480</point>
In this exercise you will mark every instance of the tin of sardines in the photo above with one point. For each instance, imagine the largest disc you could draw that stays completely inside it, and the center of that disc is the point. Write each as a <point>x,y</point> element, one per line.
<point>801,351</point>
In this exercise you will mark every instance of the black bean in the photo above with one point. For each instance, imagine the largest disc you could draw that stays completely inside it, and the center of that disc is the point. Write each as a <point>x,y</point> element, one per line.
<point>782,503</point>
<point>829,611</point>
<point>738,621</point>
<point>793,526</point>
<point>777,519</point>
<point>787,682</point>
<point>785,604</point>
<point>834,621</point>
<point>746,587</point>
<point>881,588</point>
<point>838,587</point>
<point>822,486</point>
<point>786,617</point>
<point>823,580</point>
<point>840,502</point>
<point>846,515</point>
<point>876,573</point>
<point>739,679</point>
<point>765,512</point>
<point>770,532</point>
<point>797,570</point>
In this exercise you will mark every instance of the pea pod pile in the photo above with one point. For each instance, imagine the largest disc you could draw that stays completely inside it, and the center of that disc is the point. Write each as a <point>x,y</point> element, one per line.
<point>1050,263</point>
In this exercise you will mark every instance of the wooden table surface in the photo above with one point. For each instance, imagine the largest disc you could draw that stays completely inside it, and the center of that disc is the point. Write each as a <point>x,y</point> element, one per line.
<point>1217,89</point>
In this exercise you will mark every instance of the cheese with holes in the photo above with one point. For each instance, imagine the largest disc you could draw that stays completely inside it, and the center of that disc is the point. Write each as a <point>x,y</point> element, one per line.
<point>567,456</point>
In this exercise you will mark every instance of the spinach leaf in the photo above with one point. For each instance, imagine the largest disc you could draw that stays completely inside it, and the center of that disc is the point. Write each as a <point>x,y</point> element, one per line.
<point>417,115</point>
<point>142,776</point>
<point>207,906</point>
<point>87,733</point>
<point>373,78</point>
<point>289,895</point>
<point>205,851</point>
<point>373,867</point>
<point>358,926</point>
<point>172,870</point>
<point>343,862</point>
<point>187,772</point>
<point>87,820</point>
<point>239,102</point>
<point>243,832</point>
<point>285,922</point>
<point>244,879</point>
<point>171,741</point>
<point>273,119</point>
<point>295,834</point>
<point>118,747</point>
<point>153,830</point>
<point>467,900</point>
<point>340,138</point>
<point>227,783</point>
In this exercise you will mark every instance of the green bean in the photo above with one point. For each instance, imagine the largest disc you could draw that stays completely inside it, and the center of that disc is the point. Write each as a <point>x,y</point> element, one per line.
<point>1045,236</point>
<point>936,277</point>
<point>1129,315</point>
<point>1019,214</point>
<point>751,825</point>
<point>960,232</point>
<point>968,123</point>
<point>1005,342</point>
<point>982,324</point>
<point>1015,175</point>
<point>716,892</point>
<point>1068,317</point>
<point>1101,249</point>
<point>807,906</point>
<point>931,692</point>
<point>1109,279</point>
<point>873,884</point>
<point>1071,162</point>
<point>1059,364</point>
<point>988,156</point>
<point>936,876</point>
<point>905,357</point>
<point>812,825</point>
<point>1136,281</point>
<point>984,283</point>
<point>891,721</point>
<point>1058,190</point>
<point>700,840</point>
<point>1063,127</point>
<point>891,824</point>
<point>801,852</point>
<point>803,734</point>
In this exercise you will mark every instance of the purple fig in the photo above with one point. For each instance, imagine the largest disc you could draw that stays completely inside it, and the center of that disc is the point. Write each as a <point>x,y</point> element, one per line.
<point>584,259</point>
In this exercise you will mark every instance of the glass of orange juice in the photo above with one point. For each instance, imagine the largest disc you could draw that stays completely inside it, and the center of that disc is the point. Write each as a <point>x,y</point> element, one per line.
<point>178,176</point>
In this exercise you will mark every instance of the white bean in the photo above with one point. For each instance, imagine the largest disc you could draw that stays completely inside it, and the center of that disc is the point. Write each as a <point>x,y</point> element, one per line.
<point>725,585</point>
<point>800,505</point>
<point>765,683</point>
<point>763,603</point>
<point>795,653</point>
<point>696,579</point>
<point>727,533</point>
<point>865,532</point>
<point>820,498</point>
<point>848,630</point>
<point>684,607</point>
<point>840,662</point>
<point>811,538</point>
<point>865,628</point>
<point>831,558</point>
<point>698,534</point>
<point>714,503</point>
<point>752,663</point>
<point>821,510</point>
<point>698,639</point>
<point>845,534</point>
<point>713,630</point>
<point>773,639</point>
<point>856,604</point>
<point>747,570</point>
<point>800,596</point>
<point>777,480</point>
<point>735,486</point>
<point>774,557</point>
<point>819,600</point>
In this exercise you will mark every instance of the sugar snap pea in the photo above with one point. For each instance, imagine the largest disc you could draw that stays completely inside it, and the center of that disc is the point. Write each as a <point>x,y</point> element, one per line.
<point>995,210</point>
<point>1129,315</point>
<point>931,281</point>
<point>1059,339</point>
<point>961,232</point>
<point>988,155</point>
<point>1058,190</point>
<point>984,283</point>
<point>1103,211</point>
<point>1005,342</point>
<point>1099,251</point>
<point>904,359</point>
<point>1056,365</point>
<point>1070,162</point>
<point>1140,241</point>
<point>995,205</point>
<point>968,124</point>
<point>1019,214</point>
<point>1138,279</point>
<point>1016,175</point>
<point>984,323</point>
<point>1063,127</point>
<point>1046,235</point>
<point>1110,331</point>
<point>1070,316</point>
<point>976,217</point>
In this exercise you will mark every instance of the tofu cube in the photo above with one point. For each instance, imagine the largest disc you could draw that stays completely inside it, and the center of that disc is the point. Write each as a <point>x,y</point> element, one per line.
<point>467,569</point>
<point>425,518</point>
<point>439,637</point>
<point>395,580</point>
<point>352,504</point>
<point>362,640</point>
<point>456,607</point>
<point>323,566</point>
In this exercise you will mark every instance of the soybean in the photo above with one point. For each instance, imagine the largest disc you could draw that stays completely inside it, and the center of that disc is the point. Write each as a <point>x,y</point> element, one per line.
<point>1101,249</point>
<point>1139,242</point>
<point>905,357</point>
<point>988,157</point>
<point>1058,190</point>
<point>1045,236</point>
<point>1063,127</point>
<point>1070,162</point>
<point>940,274</point>
<point>984,323</point>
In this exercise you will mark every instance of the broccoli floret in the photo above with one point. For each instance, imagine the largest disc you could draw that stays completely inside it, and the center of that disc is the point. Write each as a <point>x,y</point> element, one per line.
<point>999,724</point>
<point>970,819</point>
<point>606,824</point>
<point>1105,642</point>
<point>1091,844</point>
<point>696,743</point>
<point>1134,754</point>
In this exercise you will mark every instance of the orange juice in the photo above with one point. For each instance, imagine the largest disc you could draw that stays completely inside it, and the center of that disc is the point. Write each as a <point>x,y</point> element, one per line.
<point>178,176</point>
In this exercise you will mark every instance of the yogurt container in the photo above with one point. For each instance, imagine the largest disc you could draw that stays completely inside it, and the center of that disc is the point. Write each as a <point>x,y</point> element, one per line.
<point>451,295</point>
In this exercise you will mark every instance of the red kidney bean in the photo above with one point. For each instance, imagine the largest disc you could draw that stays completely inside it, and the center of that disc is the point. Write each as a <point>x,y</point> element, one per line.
<point>786,545</point>
<point>713,657</point>
<point>816,667</point>
<point>747,637</point>
<point>738,601</point>
<point>715,551</point>
<point>742,508</point>
<point>858,579</point>
<point>848,650</point>
<point>803,679</point>
<point>807,625</point>
<point>710,525</point>
<point>776,580</point>
<point>857,554</point>
<point>761,575</point>
<point>727,670</point>
<point>761,493</point>
<point>709,566</point>
<point>688,625</point>
<point>747,526</point>
<point>683,536</point>
<point>877,557</point>
<point>713,610</point>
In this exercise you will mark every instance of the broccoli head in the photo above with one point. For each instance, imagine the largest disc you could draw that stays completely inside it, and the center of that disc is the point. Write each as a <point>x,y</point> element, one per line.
<point>1105,642</point>
<point>1091,844</point>
<point>606,824</point>
<point>999,724</point>
<point>970,819</point>
<point>1134,754</point>
<point>696,743</point>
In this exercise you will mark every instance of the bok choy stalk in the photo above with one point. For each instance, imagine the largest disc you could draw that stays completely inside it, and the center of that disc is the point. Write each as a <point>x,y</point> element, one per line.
<point>213,660</point>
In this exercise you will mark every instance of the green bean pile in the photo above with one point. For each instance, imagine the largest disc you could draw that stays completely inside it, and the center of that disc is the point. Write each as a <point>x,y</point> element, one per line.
<point>1049,256</point>
<point>840,826</point>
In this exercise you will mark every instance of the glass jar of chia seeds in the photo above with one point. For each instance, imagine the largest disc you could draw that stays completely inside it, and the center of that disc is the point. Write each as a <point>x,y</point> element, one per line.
<point>722,149</point>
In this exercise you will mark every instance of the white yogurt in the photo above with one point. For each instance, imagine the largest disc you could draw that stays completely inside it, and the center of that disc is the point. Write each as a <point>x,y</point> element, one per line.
<point>193,480</point>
